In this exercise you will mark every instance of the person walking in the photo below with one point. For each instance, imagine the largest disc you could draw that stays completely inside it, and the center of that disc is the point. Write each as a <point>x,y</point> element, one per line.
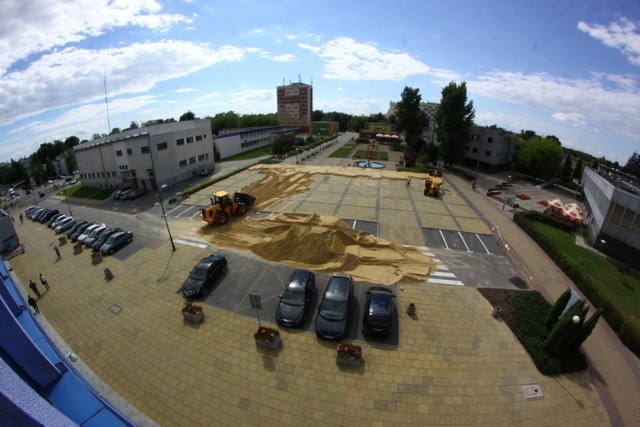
<point>21,219</point>
<point>408,181</point>
<point>34,288</point>
<point>44,281</point>
<point>57,251</point>
<point>32,302</point>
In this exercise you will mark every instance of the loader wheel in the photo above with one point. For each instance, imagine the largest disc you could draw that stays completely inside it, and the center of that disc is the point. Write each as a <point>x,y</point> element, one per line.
<point>242,209</point>
<point>223,218</point>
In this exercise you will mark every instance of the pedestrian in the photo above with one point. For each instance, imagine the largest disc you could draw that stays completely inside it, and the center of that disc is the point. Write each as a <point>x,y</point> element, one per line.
<point>21,220</point>
<point>32,302</point>
<point>44,281</point>
<point>34,288</point>
<point>57,251</point>
<point>474,185</point>
<point>13,220</point>
<point>408,181</point>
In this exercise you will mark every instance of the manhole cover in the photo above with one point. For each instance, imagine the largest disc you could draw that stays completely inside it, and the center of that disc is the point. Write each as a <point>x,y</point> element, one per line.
<point>533,391</point>
<point>115,308</point>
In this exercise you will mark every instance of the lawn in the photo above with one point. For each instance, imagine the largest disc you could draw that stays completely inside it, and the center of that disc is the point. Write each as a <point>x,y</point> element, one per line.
<point>253,154</point>
<point>85,192</point>
<point>343,151</point>
<point>617,294</point>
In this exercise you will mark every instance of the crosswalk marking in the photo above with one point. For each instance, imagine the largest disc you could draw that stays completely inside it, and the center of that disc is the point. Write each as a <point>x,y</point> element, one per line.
<point>444,281</point>
<point>190,243</point>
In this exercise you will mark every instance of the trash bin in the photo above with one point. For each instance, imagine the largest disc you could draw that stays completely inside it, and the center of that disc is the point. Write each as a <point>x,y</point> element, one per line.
<point>411,309</point>
<point>108,274</point>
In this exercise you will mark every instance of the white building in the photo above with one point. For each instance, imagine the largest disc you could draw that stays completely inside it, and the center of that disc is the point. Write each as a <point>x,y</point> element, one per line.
<point>147,157</point>
<point>230,142</point>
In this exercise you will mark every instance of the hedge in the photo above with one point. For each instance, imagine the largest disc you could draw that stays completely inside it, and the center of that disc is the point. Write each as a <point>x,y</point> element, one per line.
<point>627,329</point>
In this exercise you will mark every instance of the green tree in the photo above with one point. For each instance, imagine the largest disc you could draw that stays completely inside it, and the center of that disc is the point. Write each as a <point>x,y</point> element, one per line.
<point>577,171</point>
<point>454,119</point>
<point>567,166</point>
<point>189,115</point>
<point>583,332</point>
<point>633,165</point>
<point>228,120</point>
<point>557,309</point>
<point>356,123</point>
<point>411,118</point>
<point>71,142</point>
<point>539,157</point>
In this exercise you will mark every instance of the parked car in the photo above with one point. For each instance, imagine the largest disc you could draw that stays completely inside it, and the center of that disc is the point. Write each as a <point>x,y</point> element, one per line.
<point>65,224</point>
<point>378,311</point>
<point>116,194</point>
<point>94,234</point>
<point>47,216</point>
<point>53,222</point>
<point>116,241</point>
<point>81,238</point>
<point>76,226</point>
<point>39,214</point>
<point>80,231</point>
<point>334,310</point>
<point>99,241</point>
<point>32,214</point>
<point>203,275</point>
<point>137,193</point>
<point>295,303</point>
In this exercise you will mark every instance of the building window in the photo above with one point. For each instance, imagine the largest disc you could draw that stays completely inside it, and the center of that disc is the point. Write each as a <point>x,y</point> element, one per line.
<point>129,152</point>
<point>189,139</point>
<point>474,150</point>
<point>118,153</point>
<point>487,153</point>
<point>144,149</point>
<point>627,219</point>
<point>616,212</point>
<point>180,141</point>
<point>201,157</point>
<point>183,163</point>
<point>490,140</point>
<point>198,137</point>
<point>132,174</point>
<point>162,146</point>
<point>192,160</point>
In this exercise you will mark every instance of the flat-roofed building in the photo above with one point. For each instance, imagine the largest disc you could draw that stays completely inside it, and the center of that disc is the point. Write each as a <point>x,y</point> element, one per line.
<point>147,157</point>
<point>230,142</point>
<point>295,105</point>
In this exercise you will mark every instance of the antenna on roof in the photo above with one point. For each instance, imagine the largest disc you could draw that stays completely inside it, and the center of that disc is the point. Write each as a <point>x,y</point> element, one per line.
<point>311,81</point>
<point>106,100</point>
<point>299,78</point>
<point>283,81</point>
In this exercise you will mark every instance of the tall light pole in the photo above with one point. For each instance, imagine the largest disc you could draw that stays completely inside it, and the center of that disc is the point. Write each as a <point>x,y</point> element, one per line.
<point>158,193</point>
<point>506,195</point>
<point>64,191</point>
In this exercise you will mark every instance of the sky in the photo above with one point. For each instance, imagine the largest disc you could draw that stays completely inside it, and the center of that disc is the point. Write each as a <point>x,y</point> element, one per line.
<point>565,68</point>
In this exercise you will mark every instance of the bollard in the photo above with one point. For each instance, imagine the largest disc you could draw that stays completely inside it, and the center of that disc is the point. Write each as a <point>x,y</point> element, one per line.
<point>108,274</point>
<point>411,309</point>
<point>496,311</point>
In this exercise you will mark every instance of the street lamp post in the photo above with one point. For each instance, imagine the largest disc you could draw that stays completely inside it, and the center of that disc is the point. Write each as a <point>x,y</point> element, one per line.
<point>64,191</point>
<point>506,195</point>
<point>158,193</point>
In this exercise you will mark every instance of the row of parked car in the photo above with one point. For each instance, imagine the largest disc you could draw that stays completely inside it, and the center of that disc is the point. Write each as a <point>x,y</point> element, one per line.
<point>296,303</point>
<point>98,237</point>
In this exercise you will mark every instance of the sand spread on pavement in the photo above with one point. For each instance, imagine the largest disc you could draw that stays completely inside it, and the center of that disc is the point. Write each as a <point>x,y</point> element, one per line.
<point>314,242</point>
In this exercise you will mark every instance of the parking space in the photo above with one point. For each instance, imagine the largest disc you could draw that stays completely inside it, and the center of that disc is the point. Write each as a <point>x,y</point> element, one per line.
<point>461,241</point>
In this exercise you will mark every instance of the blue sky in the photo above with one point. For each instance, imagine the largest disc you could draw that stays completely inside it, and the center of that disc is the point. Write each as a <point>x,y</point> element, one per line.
<point>564,68</point>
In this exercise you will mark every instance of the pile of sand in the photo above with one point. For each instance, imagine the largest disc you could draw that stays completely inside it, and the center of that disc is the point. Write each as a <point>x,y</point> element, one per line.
<point>322,244</point>
<point>314,242</point>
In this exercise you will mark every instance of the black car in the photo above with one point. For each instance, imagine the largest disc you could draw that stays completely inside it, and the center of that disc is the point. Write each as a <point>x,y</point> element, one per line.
<point>116,241</point>
<point>333,312</point>
<point>46,217</point>
<point>75,227</point>
<point>100,240</point>
<point>378,311</point>
<point>295,302</point>
<point>204,275</point>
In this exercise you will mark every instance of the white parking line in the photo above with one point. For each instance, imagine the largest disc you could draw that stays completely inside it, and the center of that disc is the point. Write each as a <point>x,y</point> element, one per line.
<point>444,240</point>
<point>445,282</point>
<point>482,243</point>
<point>176,208</point>
<point>196,214</point>
<point>190,243</point>
<point>442,274</point>
<point>185,211</point>
<point>463,241</point>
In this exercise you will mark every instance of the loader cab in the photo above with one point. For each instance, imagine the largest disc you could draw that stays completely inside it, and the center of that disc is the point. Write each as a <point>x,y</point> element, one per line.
<point>221,198</point>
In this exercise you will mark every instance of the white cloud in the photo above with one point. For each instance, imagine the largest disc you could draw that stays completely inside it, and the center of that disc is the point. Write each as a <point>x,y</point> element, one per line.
<point>284,58</point>
<point>346,59</point>
<point>355,106</point>
<point>620,35</point>
<point>443,77</point>
<point>598,105</point>
<point>186,89</point>
<point>73,76</point>
<point>22,23</point>
<point>576,119</point>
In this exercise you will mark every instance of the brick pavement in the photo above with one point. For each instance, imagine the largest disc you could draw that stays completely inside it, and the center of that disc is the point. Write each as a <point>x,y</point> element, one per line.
<point>455,363</point>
